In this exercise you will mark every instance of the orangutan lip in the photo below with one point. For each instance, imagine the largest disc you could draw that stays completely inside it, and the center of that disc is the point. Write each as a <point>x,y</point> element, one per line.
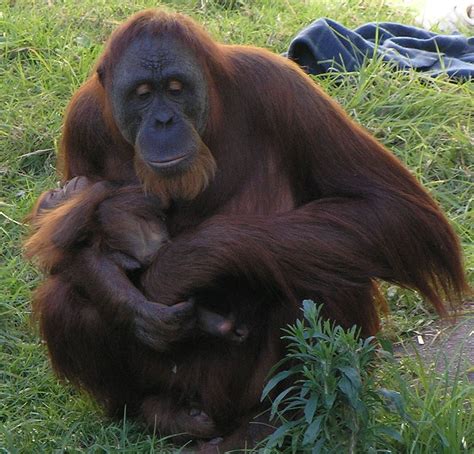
<point>168,163</point>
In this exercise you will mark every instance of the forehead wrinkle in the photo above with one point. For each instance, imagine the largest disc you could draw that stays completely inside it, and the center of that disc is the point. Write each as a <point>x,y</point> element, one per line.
<point>156,62</point>
<point>155,52</point>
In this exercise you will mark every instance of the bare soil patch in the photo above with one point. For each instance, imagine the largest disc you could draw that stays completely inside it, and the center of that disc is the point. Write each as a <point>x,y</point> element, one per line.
<point>448,344</point>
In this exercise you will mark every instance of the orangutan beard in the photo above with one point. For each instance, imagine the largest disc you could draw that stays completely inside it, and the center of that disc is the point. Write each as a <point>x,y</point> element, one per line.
<point>185,185</point>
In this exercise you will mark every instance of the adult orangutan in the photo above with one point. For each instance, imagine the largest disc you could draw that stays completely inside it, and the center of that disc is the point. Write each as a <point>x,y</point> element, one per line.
<point>274,196</point>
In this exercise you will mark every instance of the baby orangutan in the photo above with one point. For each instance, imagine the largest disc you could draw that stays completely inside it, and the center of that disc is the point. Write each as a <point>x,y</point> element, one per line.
<point>116,231</point>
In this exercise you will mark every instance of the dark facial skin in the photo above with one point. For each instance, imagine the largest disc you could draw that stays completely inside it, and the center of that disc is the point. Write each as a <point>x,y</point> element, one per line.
<point>160,102</point>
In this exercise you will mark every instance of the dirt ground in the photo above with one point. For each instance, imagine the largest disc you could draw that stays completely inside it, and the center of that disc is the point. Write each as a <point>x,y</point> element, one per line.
<point>448,343</point>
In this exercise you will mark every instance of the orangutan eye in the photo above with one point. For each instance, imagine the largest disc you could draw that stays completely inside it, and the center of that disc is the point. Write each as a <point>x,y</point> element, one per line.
<point>175,87</point>
<point>143,90</point>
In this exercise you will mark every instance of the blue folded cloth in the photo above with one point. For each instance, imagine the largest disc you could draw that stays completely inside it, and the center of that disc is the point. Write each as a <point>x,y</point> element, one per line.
<point>327,46</point>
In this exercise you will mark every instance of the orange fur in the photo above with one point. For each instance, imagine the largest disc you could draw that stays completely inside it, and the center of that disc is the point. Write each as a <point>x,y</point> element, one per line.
<point>290,199</point>
<point>186,186</point>
<point>41,245</point>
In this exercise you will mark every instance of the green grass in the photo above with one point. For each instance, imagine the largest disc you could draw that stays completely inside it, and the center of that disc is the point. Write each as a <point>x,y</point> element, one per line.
<point>47,52</point>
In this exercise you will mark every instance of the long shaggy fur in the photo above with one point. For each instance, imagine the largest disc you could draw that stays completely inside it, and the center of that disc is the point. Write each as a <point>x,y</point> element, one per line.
<point>293,201</point>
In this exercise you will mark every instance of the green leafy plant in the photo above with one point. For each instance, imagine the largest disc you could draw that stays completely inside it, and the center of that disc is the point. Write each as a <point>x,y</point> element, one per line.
<point>333,402</point>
